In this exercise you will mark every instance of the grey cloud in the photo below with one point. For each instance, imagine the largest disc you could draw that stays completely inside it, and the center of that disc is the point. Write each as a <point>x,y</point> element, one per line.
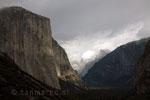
<point>71,18</point>
<point>85,22</point>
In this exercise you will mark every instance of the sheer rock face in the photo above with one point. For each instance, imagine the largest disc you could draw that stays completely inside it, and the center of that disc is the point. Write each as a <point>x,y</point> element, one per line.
<point>64,70</point>
<point>143,72</point>
<point>26,38</point>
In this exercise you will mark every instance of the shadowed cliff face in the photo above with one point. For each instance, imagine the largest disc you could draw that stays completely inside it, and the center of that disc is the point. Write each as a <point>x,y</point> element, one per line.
<point>16,84</point>
<point>143,72</point>
<point>26,38</point>
<point>64,70</point>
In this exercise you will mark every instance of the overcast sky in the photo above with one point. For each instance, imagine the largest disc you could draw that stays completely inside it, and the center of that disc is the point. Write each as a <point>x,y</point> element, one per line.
<point>81,26</point>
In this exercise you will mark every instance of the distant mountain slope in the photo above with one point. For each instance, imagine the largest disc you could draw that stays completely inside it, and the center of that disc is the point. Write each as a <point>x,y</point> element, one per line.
<point>18,85</point>
<point>118,68</point>
<point>91,63</point>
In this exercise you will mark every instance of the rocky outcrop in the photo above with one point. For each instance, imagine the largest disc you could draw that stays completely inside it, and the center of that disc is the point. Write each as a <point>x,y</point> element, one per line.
<point>143,72</point>
<point>26,38</point>
<point>118,68</point>
<point>16,84</point>
<point>64,70</point>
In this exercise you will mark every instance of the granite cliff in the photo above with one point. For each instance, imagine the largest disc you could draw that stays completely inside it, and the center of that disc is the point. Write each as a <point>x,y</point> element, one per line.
<point>27,39</point>
<point>143,72</point>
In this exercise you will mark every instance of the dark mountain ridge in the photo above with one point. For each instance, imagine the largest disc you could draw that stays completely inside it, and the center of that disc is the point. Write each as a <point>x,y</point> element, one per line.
<point>143,72</point>
<point>118,68</point>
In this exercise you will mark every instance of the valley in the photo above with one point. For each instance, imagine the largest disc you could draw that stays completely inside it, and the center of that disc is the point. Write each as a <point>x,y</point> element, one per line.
<point>32,60</point>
